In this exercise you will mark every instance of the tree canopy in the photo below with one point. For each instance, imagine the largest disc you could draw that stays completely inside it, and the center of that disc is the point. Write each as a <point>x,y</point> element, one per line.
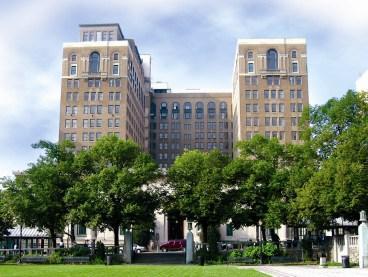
<point>114,189</point>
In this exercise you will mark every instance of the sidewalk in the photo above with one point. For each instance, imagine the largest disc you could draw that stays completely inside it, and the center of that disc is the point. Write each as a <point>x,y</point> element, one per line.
<point>309,271</point>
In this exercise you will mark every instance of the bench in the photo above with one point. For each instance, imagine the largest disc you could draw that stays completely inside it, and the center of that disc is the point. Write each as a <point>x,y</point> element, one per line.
<point>240,260</point>
<point>76,260</point>
<point>283,259</point>
<point>35,259</point>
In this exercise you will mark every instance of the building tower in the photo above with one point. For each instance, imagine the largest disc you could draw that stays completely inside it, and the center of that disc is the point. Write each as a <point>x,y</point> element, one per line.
<point>103,87</point>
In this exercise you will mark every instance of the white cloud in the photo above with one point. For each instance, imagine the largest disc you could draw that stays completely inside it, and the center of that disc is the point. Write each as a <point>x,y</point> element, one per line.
<point>362,82</point>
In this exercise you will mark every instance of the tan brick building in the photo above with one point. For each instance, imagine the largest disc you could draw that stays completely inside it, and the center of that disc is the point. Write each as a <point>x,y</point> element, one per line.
<point>106,89</point>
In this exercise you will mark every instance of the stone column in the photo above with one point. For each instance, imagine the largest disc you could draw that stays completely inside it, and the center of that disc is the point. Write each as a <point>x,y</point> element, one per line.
<point>128,245</point>
<point>189,249</point>
<point>363,241</point>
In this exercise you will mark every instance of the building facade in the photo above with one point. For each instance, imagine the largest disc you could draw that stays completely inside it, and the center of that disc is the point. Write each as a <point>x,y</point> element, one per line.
<point>106,89</point>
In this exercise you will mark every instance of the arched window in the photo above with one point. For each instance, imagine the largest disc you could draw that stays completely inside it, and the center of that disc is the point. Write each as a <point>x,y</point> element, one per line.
<point>115,56</point>
<point>272,59</point>
<point>73,57</point>
<point>223,106</point>
<point>187,110</point>
<point>175,110</point>
<point>223,110</point>
<point>199,110</point>
<point>163,110</point>
<point>211,109</point>
<point>94,62</point>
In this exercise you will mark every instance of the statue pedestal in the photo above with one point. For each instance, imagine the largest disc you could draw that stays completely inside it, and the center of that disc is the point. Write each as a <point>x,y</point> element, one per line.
<point>128,247</point>
<point>189,249</point>
<point>363,241</point>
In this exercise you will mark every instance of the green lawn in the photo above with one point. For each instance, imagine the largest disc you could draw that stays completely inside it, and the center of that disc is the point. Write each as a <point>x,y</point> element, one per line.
<point>124,270</point>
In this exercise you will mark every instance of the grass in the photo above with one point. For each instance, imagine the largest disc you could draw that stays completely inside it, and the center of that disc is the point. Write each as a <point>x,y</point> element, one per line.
<point>124,270</point>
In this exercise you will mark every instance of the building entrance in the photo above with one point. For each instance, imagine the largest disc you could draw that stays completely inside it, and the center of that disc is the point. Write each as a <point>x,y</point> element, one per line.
<point>175,225</point>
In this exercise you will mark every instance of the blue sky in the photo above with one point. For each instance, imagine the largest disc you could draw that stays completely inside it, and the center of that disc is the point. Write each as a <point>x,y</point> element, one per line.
<point>192,44</point>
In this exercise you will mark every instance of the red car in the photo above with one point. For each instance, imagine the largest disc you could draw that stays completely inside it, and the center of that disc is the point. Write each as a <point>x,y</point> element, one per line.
<point>173,245</point>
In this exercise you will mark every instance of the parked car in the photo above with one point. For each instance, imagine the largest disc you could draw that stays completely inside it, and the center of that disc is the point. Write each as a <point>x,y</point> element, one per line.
<point>173,245</point>
<point>138,249</point>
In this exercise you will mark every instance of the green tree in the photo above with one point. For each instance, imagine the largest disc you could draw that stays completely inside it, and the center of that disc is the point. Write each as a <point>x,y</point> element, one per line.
<point>36,195</point>
<point>338,134</point>
<point>259,178</point>
<point>197,189</point>
<point>6,217</point>
<point>114,191</point>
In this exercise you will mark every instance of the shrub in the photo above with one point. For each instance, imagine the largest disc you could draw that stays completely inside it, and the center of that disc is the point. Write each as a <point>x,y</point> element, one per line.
<point>235,253</point>
<point>55,258</point>
<point>266,251</point>
<point>100,250</point>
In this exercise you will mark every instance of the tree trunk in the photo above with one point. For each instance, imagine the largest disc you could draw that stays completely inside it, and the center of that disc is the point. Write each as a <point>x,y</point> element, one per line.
<point>116,239</point>
<point>72,233</point>
<point>204,232</point>
<point>263,230</point>
<point>53,238</point>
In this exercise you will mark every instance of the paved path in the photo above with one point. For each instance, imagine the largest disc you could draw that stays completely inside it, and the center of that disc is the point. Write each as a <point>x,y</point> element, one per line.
<point>310,271</point>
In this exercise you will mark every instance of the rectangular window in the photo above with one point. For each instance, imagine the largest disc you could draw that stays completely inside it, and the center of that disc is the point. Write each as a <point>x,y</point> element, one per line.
<point>69,96</point>
<point>274,134</point>
<point>247,108</point>
<point>292,94</point>
<point>248,121</point>
<point>73,137</point>
<point>267,108</point>
<point>117,96</point>
<point>267,121</point>
<point>250,55</point>
<point>91,82</point>
<point>250,67</point>
<point>300,107</point>
<point>255,108</point>
<point>85,136</point>
<point>276,80</point>
<point>98,135</point>
<point>267,134</point>
<point>292,81</point>
<point>92,123</point>
<point>93,96</point>
<point>111,96</point>
<point>99,122</point>
<point>99,109</point>
<point>75,96</point>
<point>255,94</point>
<point>299,80</point>
<point>74,123</point>
<point>292,107</point>
<point>299,94</point>
<point>91,136</point>
<point>110,109</point>
<point>293,121</point>
<point>269,80</point>
<point>294,135</point>
<point>85,36</point>
<point>248,94</point>
<point>229,230</point>
<point>266,94</point>
<point>281,135</point>
<point>117,109</point>
<point>248,135</point>
<point>86,109</point>
<point>255,121</point>
<point>281,107</point>
<point>67,123</point>
<point>274,121</point>
<point>100,96</point>
<point>293,54</point>
<point>85,123</point>
<point>97,83</point>
<point>73,70</point>
<point>273,94</point>
<point>117,122</point>
<point>93,109</point>
<point>281,121</point>
<point>295,68</point>
<point>115,69</point>
<point>75,110</point>
<point>273,107</point>
<point>110,123</point>
<point>281,94</point>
